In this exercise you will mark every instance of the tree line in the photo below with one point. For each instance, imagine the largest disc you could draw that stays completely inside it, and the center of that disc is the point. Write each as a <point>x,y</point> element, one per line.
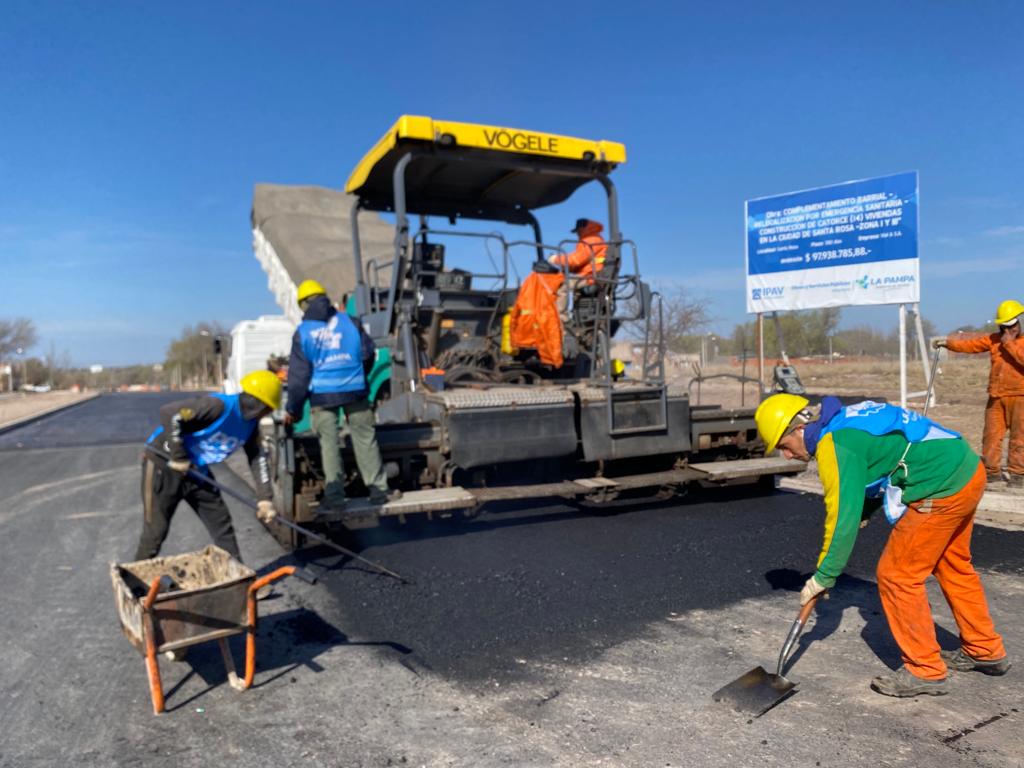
<point>687,320</point>
<point>193,360</point>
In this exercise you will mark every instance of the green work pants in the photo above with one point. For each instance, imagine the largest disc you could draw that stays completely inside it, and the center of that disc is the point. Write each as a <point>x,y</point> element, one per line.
<point>363,432</point>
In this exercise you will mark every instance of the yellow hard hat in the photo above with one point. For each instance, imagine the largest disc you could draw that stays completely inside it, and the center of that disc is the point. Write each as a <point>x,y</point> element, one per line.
<point>618,367</point>
<point>264,386</point>
<point>309,288</point>
<point>774,415</point>
<point>1009,311</point>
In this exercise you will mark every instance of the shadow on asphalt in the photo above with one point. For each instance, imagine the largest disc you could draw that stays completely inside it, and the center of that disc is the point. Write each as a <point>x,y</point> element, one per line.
<point>285,641</point>
<point>850,591</point>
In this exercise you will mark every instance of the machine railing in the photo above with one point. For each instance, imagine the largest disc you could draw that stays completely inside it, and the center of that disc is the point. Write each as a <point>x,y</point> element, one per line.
<point>623,298</point>
<point>600,302</point>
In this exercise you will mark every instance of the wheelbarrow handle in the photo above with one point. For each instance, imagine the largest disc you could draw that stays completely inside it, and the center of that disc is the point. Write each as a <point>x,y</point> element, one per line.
<point>270,578</point>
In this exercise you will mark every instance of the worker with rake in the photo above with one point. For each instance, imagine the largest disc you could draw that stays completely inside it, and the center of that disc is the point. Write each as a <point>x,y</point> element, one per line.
<point>929,482</point>
<point>193,434</point>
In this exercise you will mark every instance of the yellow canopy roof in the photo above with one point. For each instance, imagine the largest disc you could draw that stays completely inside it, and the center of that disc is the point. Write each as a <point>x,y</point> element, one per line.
<point>480,171</point>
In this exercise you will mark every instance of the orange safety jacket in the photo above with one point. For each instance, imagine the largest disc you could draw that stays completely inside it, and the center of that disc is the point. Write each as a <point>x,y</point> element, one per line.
<point>589,255</point>
<point>1006,379</point>
<point>534,321</point>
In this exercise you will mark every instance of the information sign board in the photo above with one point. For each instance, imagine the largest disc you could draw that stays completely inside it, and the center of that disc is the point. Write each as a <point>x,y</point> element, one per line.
<point>848,244</point>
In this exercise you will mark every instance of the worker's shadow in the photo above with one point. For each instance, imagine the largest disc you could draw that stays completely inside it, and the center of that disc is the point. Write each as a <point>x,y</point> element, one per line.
<point>285,641</point>
<point>849,591</point>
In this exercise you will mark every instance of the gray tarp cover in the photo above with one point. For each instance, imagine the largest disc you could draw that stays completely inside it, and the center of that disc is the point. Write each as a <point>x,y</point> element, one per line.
<point>310,230</point>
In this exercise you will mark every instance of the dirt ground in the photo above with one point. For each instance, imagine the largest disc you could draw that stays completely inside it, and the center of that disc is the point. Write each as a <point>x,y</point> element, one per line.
<point>959,387</point>
<point>21,405</point>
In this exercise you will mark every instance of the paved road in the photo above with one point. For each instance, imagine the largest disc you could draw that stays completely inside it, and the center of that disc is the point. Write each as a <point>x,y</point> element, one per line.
<point>538,636</point>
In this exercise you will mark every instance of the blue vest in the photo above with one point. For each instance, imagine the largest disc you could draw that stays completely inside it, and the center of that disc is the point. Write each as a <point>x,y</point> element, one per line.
<point>335,351</point>
<point>884,419</point>
<point>216,442</point>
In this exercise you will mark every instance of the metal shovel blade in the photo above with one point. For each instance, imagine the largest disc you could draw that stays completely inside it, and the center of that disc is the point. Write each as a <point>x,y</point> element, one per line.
<point>755,692</point>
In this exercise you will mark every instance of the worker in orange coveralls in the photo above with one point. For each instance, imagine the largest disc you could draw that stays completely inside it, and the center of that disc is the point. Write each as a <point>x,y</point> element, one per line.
<point>534,320</point>
<point>582,263</point>
<point>929,482</point>
<point>1005,408</point>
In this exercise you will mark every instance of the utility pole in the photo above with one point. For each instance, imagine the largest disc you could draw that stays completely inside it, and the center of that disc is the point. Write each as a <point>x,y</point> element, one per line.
<point>218,348</point>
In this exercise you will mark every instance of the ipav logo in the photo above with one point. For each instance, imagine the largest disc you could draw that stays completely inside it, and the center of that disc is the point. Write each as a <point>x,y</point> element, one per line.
<point>770,292</point>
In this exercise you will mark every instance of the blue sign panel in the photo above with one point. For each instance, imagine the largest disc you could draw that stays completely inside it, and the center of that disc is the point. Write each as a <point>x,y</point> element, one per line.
<point>852,223</point>
<point>851,243</point>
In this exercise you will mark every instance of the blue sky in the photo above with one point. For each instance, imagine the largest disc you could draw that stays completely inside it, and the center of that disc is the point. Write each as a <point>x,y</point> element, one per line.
<point>131,135</point>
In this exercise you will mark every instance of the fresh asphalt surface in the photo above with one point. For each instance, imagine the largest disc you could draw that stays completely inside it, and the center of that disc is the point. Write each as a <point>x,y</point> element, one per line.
<point>519,604</point>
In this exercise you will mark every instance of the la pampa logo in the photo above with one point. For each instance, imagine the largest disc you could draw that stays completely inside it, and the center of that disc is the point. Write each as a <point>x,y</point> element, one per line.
<point>885,282</point>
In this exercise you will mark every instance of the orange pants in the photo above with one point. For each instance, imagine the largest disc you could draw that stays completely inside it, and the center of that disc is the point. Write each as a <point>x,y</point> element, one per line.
<point>1003,413</point>
<point>934,537</point>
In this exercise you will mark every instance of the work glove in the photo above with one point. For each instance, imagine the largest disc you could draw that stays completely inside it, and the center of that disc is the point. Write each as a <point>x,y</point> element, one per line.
<point>810,590</point>
<point>939,343</point>
<point>265,511</point>
<point>179,465</point>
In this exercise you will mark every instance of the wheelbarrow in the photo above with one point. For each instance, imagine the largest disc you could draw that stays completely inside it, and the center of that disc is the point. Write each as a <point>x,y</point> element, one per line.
<point>169,603</point>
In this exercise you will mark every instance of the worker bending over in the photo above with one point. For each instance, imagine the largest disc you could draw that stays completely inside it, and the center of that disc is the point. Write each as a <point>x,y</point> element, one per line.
<point>1005,408</point>
<point>929,482</point>
<point>194,434</point>
<point>330,358</point>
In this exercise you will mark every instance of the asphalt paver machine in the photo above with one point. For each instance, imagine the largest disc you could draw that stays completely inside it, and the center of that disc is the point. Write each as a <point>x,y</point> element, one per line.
<point>463,419</point>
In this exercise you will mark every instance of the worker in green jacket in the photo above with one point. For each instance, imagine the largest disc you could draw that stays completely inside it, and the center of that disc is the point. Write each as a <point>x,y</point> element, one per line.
<point>929,482</point>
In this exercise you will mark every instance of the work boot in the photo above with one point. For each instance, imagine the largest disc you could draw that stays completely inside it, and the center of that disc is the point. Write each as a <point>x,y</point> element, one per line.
<point>379,498</point>
<point>995,483</point>
<point>903,684</point>
<point>1015,484</point>
<point>331,504</point>
<point>961,662</point>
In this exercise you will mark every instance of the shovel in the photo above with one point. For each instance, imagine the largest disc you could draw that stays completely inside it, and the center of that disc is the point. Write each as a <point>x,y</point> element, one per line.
<point>759,690</point>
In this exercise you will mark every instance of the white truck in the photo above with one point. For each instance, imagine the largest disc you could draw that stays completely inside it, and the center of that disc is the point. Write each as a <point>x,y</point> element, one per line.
<point>253,342</point>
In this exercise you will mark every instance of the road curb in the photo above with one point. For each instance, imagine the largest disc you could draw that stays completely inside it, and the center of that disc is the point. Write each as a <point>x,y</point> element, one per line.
<point>8,426</point>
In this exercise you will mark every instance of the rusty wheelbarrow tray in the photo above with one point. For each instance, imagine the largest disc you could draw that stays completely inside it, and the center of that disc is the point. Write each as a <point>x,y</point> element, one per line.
<point>169,603</point>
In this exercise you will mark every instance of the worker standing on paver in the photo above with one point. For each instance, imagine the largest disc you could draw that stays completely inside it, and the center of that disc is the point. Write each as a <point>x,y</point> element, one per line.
<point>584,262</point>
<point>196,433</point>
<point>331,356</point>
<point>929,481</point>
<point>1005,408</point>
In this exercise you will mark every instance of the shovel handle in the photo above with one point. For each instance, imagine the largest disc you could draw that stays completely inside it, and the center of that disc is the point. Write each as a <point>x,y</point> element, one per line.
<point>931,380</point>
<point>806,610</point>
<point>795,630</point>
